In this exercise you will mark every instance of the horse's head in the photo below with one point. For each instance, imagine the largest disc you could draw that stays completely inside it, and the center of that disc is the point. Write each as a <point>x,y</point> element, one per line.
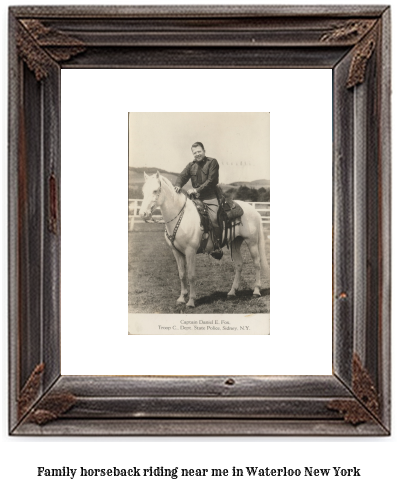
<point>151,192</point>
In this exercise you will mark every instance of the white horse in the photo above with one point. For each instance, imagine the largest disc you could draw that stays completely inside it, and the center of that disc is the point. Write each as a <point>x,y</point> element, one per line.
<point>183,234</point>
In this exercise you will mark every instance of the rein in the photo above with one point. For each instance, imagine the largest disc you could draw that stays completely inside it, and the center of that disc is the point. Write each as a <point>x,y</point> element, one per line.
<point>172,238</point>
<point>181,210</point>
<point>180,214</point>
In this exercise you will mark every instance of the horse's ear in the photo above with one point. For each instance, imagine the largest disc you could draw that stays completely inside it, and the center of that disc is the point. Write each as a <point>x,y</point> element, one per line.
<point>158,175</point>
<point>145,176</point>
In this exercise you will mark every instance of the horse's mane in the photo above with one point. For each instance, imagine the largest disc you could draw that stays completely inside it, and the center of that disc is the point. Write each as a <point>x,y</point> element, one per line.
<point>167,183</point>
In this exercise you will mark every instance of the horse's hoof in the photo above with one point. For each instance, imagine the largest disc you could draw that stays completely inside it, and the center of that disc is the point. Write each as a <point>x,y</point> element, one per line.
<point>180,303</point>
<point>190,304</point>
<point>256,295</point>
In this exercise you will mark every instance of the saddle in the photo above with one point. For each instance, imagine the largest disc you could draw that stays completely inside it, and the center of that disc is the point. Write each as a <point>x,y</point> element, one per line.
<point>231,209</point>
<point>227,214</point>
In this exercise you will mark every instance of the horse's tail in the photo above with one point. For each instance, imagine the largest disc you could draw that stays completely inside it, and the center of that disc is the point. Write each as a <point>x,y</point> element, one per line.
<point>262,249</point>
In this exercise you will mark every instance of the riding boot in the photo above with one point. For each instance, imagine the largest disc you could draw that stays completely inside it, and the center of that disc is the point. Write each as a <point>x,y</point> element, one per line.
<point>217,253</point>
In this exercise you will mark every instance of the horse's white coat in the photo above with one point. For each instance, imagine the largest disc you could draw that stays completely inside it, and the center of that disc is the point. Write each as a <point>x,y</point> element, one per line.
<point>159,191</point>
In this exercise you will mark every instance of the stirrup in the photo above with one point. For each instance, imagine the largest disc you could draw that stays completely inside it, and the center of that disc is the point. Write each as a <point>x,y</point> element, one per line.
<point>217,254</point>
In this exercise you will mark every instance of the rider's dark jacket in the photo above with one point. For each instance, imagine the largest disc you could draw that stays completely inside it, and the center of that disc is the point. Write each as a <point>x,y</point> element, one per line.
<point>204,177</point>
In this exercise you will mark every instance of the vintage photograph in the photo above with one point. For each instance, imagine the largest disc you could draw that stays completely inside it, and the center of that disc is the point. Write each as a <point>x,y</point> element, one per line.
<point>199,216</point>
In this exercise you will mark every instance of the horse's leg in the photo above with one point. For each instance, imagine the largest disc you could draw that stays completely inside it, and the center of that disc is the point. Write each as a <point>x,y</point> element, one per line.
<point>190,257</point>
<point>237,260</point>
<point>254,250</point>
<point>180,260</point>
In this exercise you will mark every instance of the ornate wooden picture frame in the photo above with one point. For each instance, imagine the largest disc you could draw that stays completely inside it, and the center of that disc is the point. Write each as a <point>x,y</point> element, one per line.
<point>352,41</point>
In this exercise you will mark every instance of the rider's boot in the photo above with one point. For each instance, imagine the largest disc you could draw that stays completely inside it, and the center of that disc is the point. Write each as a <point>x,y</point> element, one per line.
<point>217,252</point>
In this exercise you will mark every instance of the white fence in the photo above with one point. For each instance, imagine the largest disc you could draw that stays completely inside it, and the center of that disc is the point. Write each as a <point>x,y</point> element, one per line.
<point>134,211</point>
<point>264,209</point>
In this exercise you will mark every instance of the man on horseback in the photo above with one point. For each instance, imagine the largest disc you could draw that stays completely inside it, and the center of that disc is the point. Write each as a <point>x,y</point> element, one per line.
<point>204,174</point>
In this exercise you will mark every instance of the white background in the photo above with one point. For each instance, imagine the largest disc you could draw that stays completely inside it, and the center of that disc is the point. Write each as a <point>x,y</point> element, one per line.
<point>376,457</point>
<point>94,222</point>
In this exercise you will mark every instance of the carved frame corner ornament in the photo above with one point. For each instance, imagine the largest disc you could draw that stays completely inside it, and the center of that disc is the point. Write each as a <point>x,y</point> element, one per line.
<point>362,33</point>
<point>38,410</point>
<point>52,407</point>
<point>30,391</point>
<point>350,31</point>
<point>366,406</point>
<point>39,45</point>
<point>354,43</point>
<point>362,54</point>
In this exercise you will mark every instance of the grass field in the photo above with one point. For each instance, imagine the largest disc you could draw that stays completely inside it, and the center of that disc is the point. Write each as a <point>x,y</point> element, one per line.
<point>154,283</point>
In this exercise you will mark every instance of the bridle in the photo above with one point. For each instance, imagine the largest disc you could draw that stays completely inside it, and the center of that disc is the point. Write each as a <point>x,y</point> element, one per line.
<point>152,220</point>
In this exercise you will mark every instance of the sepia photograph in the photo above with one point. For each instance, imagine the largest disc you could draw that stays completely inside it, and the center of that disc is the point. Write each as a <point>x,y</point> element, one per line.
<point>199,219</point>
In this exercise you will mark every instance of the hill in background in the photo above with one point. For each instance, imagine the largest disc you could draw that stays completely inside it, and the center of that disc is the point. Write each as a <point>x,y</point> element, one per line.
<point>257,183</point>
<point>136,181</point>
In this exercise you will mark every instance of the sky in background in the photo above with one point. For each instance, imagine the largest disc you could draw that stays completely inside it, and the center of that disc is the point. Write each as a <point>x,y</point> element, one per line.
<point>239,141</point>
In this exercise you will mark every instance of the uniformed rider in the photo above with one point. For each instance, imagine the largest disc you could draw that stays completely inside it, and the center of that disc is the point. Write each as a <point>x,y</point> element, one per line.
<point>204,174</point>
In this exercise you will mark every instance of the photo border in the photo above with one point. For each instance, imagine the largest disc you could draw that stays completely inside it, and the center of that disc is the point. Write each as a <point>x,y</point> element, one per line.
<point>352,41</point>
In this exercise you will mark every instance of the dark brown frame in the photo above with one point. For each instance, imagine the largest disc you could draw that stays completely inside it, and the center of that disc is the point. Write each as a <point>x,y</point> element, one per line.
<point>353,41</point>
